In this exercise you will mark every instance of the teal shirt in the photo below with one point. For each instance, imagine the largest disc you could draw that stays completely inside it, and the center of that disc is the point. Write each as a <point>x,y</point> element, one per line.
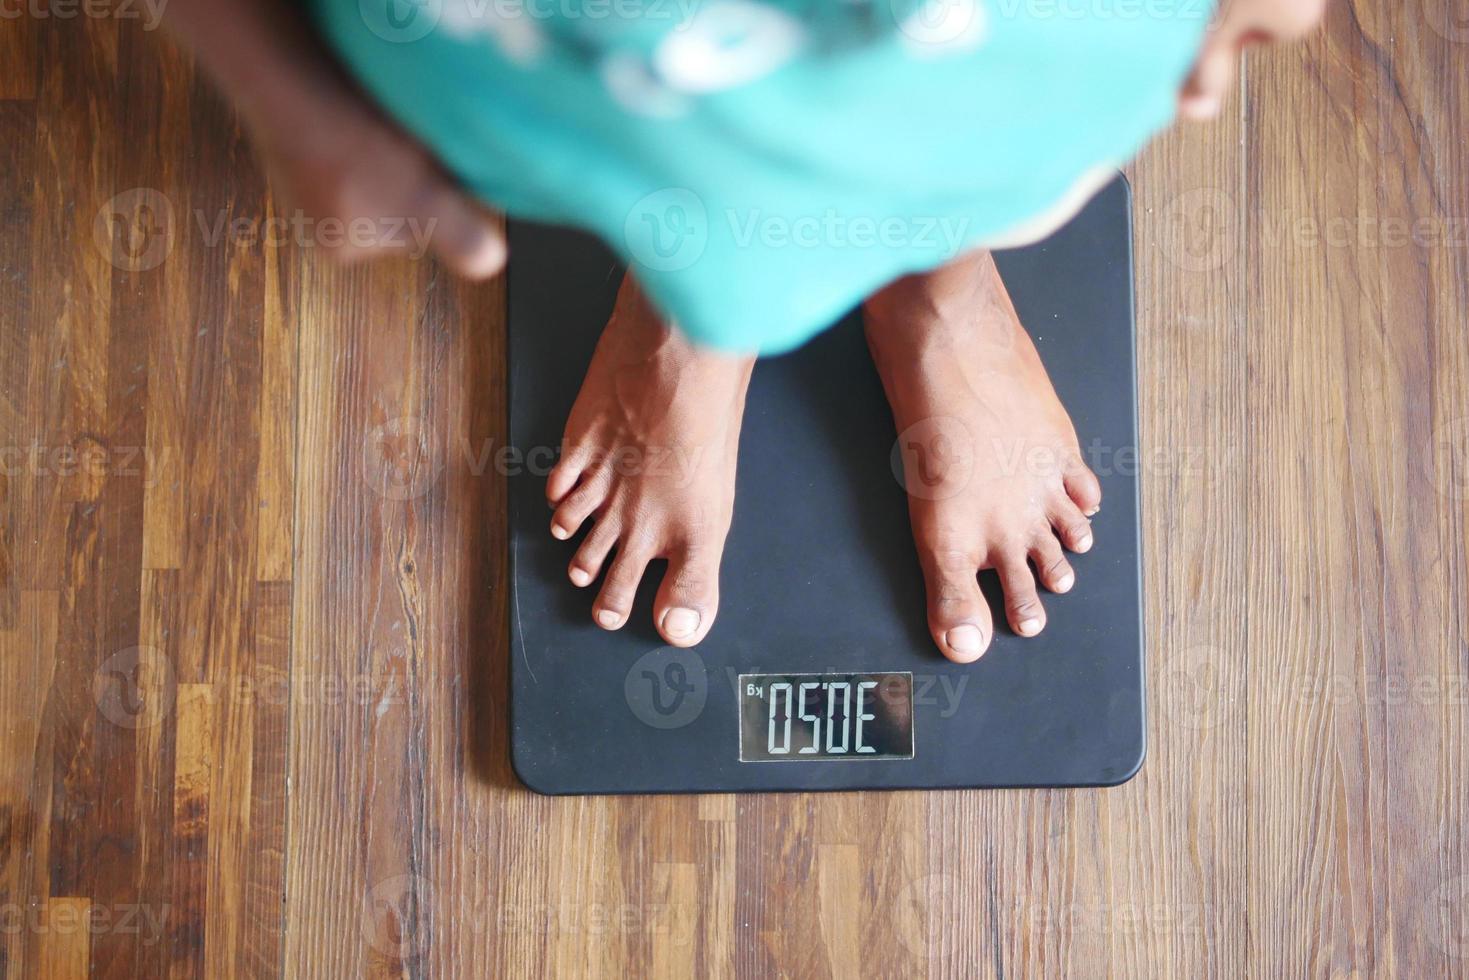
<point>763,165</point>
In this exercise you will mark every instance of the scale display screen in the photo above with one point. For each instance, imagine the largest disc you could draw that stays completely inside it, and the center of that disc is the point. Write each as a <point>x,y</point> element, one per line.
<point>825,717</point>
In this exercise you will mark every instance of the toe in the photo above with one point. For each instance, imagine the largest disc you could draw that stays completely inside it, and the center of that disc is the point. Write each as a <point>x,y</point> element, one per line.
<point>564,474</point>
<point>1051,566</point>
<point>615,600</point>
<point>1074,530</point>
<point>1082,487</point>
<point>688,599</point>
<point>1022,605</point>
<point>586,565</point>
<point>580,504</point>
<point>958,616</point>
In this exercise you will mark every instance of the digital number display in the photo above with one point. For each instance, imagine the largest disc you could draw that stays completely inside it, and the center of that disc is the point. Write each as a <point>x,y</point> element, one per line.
<point>810,717</point>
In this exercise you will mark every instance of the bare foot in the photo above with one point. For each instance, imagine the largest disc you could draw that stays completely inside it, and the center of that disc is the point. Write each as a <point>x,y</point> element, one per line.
<point>650,456</point>
<point>992,465</point>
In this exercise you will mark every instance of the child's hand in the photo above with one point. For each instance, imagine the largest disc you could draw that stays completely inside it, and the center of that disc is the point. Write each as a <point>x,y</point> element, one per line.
<point>329,150</point>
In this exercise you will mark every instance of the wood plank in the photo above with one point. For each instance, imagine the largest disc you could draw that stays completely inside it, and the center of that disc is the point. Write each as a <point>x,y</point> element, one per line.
<point>277,427</point>
<point>1353,338</point>
<point>1141,909</point>
<point>154,763</point>
<point>17,148</point>
<point>221,443</point>
<point>263,877</point>
<point>195,759</point>
<point>19,53</point>
<point>66,942</point>
<point>842,914</point>
<point>75,507</point>
<point>27,670</point>
<point>1422,102</point>
<point>159,84</point>
<point>360,617</point>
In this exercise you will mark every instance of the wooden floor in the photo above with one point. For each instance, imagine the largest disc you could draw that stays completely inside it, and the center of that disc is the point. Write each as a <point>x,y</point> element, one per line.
<point>252,712</point>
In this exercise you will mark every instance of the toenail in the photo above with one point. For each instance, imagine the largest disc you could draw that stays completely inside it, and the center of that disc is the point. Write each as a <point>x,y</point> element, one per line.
<point>559,532</point>
<point>608,618</point>
<point>965,639</point>
<point>1030,627</point>
<point>1065,582</point>
<point>680,622</point>
<point>1085,544</point>
<point>580,576</point>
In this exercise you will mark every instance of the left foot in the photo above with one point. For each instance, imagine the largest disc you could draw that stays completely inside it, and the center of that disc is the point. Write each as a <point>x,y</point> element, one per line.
<point>994,473</point>
<point>650,462</point>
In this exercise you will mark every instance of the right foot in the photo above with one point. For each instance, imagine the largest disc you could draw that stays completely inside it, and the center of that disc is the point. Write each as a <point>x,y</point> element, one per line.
<point>994,473</point>
<point>649,457</point>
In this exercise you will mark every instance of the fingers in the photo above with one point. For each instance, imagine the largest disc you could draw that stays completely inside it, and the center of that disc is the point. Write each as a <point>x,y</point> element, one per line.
<point>466,237</point>
<point>372,190</point>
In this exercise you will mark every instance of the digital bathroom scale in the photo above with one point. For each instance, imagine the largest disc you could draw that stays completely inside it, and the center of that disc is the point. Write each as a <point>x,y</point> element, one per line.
<point>819,673</point>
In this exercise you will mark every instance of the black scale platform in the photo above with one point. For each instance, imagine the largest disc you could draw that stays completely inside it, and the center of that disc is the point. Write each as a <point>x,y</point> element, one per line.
<point>821,639</point>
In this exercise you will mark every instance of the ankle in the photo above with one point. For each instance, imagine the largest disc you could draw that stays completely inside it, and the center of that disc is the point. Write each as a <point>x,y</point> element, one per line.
<point>942,294</point>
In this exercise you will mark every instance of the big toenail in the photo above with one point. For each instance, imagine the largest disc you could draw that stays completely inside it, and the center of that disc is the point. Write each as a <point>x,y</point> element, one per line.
<point>608,618</point>
<point>680,622</point>
<point>1030,627</point>
<point>580,576</point>
<point>965,639</point>
<point>1063,584</point>
<point>1085,544</point>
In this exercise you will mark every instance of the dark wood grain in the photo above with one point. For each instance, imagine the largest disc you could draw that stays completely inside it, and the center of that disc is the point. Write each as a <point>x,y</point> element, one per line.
<point>252,654</point>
